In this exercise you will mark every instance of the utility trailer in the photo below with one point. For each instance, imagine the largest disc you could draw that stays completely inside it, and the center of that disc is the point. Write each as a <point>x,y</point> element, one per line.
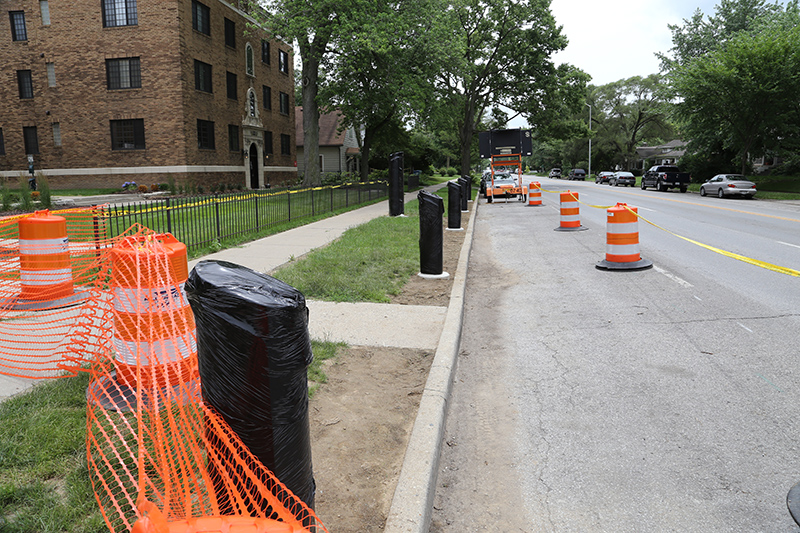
<point>505,149</point>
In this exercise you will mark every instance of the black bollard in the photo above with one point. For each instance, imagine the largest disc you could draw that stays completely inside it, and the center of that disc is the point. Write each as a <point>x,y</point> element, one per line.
<point>454,193</point>
<point>253,351</point>
<point>396,204</point>
<point>465,183</point>
<point>431,236</point>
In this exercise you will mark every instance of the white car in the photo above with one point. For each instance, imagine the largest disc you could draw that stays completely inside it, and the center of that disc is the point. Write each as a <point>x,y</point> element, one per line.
<point>729,185</point>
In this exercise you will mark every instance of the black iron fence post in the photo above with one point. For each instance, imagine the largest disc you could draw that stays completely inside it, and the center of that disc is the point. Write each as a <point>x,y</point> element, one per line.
<point>289,203</point>
<point>169,218</point>
<point>216,210</point>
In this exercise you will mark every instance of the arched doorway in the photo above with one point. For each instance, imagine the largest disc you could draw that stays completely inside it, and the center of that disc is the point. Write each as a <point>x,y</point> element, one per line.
<point>254,167</point>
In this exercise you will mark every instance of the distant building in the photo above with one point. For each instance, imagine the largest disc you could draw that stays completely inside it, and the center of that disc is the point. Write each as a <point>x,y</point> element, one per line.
<point>100,92</point>
<point>338,150</point>
<point>665,154</point>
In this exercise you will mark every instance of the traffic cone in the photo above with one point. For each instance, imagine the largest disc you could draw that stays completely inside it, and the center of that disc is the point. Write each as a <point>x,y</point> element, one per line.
<point>622,240</point>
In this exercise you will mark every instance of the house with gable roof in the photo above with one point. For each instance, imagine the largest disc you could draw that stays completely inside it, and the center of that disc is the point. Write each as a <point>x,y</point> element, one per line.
<point>338,147</point>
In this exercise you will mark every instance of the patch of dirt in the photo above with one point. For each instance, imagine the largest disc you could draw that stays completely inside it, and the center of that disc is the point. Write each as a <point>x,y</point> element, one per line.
<point>362,417</point>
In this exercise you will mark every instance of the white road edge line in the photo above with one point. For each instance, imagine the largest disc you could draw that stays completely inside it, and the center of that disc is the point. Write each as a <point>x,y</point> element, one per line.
<point>788,244</point>
<point>673,277</point>
<point>745,327</point>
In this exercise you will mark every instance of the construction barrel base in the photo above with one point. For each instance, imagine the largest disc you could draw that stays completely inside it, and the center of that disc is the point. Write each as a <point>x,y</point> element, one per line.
<point>641,264</point>
<point>576,228</point>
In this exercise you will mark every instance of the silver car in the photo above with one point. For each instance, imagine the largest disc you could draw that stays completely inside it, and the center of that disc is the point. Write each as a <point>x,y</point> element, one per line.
<point>729,185</point>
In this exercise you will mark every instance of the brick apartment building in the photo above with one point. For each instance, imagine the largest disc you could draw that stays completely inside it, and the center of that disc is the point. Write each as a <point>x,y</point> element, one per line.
<point>100,92</point>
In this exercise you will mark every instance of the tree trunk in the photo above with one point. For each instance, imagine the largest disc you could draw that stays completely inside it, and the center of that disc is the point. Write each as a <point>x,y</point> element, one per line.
<point>465,132</point>
<point>311,172</point>
<point>365,148</point>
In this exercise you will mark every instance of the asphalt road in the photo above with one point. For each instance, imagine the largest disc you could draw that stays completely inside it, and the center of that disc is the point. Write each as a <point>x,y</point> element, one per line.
<point>659,400</point>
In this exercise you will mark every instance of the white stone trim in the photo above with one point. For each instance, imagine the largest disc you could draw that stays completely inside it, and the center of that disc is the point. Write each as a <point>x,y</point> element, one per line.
<point>178,169</point>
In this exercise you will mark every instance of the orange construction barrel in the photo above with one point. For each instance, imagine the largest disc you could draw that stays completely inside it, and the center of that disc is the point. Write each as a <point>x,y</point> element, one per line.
<point>570,213</point>
<point>622,240</point>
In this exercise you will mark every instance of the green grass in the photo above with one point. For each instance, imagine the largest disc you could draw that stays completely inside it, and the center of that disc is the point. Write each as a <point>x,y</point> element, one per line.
<point>44,481</point>
<point>84,192</point>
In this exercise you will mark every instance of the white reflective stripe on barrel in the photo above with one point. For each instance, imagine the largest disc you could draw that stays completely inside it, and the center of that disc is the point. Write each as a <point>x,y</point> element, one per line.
<point>45,277</point>
<point>59,245</point>
<point>625,227</point>
<point>622,249</point>
<point>149,299</point>
<point>570,218</point>
<point>166,350</point>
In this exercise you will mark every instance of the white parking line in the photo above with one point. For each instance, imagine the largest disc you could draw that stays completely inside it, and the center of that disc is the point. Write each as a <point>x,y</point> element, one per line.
<point>673,277</point>
<point>788,244</point>
<point>745,327</point>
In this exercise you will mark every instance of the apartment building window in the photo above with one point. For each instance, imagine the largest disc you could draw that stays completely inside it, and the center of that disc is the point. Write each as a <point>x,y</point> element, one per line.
<point>284,103</point>
<point>2,143</point>
<point>124,73</point>
<point>265,51</point>
<point>127,134</point>
<point>233,138</point>
<point>286,144</point>
<point>205,135</point>
<point>56,134</point>
<point>283,61</point>
<point>267,97</point>
<point>201,17</point>
<point>51,74</point>
<point>230,33</point>
<point>44,8</point>
<point>268,143</point>
<point>249,60</point>
<point>18,30</point>
<point>202,77</point>
<point>119,13</point>
<point>231,84</point>
<point>31,139</point>
<point>25,84</point>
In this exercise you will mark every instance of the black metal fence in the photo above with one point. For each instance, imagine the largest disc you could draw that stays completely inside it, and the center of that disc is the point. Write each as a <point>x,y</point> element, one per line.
<point>199,221</point>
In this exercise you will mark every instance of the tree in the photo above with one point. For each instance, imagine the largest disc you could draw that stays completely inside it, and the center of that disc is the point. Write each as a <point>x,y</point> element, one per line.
<point>742,95</point>
<point>500,55</point>
<point>628,112</point>
<point>376,77</point>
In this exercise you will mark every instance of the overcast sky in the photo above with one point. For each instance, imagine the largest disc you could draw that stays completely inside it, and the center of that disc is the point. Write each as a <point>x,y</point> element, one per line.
<point>616,39</point>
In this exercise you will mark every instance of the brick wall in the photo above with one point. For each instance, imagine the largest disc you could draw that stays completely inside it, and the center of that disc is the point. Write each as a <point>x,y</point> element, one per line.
<point>78,45</point>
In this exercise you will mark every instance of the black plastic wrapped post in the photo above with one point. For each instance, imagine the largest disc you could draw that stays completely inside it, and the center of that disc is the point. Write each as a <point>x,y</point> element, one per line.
<point>431,235</point>
<point>454,192</point>
<point>253,351</point>
<point>465,192</point>
<point>396,203</point>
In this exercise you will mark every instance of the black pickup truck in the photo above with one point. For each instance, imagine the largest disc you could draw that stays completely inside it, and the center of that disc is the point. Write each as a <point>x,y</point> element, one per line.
<point>663,177</point>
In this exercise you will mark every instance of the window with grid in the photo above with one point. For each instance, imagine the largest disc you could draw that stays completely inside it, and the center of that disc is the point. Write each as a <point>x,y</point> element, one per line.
<point>51,74</point>
<point>230,33</point>
<point>265,51</point>
<point>18,30</point>
<point>56,134</point>
<point>123,73</point>
<point>283,61</point>
<point>233,137</point>
<point>205,134</point>
<point>284,102</point>
<point>44,8</point>
<point>2,143</point>
<point>119,13</point>
<point>286,144</point>
<point>127,134</point>
<point>231,83</point>
<point>25,83</point>
<point>268,143</point>
<point>267,96</point>
<point>201,17</point>
<point>31,139</point>
<point>202,77</point>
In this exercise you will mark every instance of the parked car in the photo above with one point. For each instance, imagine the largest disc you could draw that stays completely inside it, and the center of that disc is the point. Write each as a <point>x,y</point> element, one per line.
<point>577,174</point>
<point>555,173</point>
<point>486,180</point>
<point>603,177</point>
<point>622,178</point>
<point>729,185</point>
<point>664,177</point>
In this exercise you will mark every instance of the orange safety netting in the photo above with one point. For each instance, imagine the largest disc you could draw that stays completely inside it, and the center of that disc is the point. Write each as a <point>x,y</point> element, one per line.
<point>160,459</point>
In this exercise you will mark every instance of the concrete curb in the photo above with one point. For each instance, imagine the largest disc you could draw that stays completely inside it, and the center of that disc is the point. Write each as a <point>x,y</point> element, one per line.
<point>412,503</point>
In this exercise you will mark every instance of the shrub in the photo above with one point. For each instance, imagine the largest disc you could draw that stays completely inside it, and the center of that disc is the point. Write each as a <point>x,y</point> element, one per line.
<point>154,187</point>
<point>451,171</point>
<point>171,184</point>
<point>35,196</point>
<point>129,186</point>
<point>25,201</point>
<point>142,189</point>
<point>442,171</point>
<point>7,196</point>
<point>44,191</point>
<point>379,175</point>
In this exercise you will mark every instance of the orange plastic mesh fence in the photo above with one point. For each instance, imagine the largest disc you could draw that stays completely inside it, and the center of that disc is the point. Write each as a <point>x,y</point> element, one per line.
<point>151,441</point>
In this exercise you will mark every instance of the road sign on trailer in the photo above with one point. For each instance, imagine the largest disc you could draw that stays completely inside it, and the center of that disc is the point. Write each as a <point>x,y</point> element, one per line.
<point>501,142</point>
